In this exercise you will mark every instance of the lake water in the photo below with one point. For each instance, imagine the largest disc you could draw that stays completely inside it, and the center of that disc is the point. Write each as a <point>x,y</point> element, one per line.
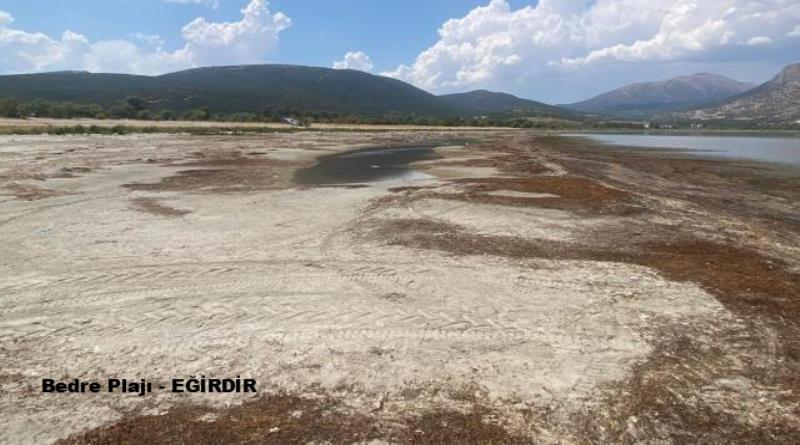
<point>366,165</point>
<point>770,149</point>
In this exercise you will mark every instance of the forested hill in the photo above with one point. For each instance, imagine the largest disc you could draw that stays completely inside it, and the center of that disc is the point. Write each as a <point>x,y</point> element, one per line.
<point>236,89</point>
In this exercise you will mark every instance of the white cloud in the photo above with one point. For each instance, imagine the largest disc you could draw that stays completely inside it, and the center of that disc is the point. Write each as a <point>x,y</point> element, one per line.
<point>5,18</point>
<point>495,43</point>
<point>357,60</point>
<point>248,40</point>
<point>759,40</point>
<point>150,39</point>
<point>210,3</point>
<point>245,41</point>
<point>795,32</point>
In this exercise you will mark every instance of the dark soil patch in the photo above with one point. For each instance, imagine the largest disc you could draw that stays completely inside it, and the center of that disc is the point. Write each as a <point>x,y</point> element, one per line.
<point>343,186</point>
<point>572,193</point>
<point>514,163</point>
<point>71,172</point>
<point>155,207</point>
<point>288,419</point>
<point>231,174</point>
<point>434,235</point>
<point>566,187</point>
<point>25,192</point>
<point>411,188</point>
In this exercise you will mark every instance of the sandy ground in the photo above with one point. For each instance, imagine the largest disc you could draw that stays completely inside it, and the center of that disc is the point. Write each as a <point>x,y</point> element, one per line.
<point>517,274</point>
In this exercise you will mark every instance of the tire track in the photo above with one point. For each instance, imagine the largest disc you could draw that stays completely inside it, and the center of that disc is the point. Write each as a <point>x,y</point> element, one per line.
<point>41,209</point>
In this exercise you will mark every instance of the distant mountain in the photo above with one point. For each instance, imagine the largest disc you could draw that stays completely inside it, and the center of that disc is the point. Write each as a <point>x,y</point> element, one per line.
<point>649,98</point>
<point>250,88</point>
<point>777,100</point>
<point>490,102</point>
<point>255,88</point>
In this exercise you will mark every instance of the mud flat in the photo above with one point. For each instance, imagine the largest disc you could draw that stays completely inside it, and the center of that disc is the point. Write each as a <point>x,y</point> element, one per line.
<point>521,288</point>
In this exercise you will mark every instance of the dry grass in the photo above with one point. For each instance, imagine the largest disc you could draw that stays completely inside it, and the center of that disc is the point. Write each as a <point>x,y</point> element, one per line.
<point>289,419</point>
<point>155,207</point>
<point>566,187</point>
<point>700,384</point>
<point>27,192</point>
<point>226,173</point>
<point>573,193</point>
<point>512,163</point>
<point>743,279</point>
<point>451,238</point>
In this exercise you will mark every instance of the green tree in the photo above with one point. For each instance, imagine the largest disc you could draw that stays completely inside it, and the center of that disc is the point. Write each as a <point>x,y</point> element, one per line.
<point>39,108</point>
<point>122,110</point>
<point>136,103</point>
<point>198,114</point>
<point>167,115</point>
<point>9,108</point>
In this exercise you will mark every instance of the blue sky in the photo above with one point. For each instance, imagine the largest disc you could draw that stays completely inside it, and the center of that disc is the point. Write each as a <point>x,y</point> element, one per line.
<point>321,31</point>
<point>552,50</point>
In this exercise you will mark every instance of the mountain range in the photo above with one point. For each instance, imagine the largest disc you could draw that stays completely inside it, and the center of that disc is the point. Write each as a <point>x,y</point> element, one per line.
<point>254,88</point>
<point>250,88</point>
<point>298,89</point>
<point>644,99</point>
<point>776,100</point>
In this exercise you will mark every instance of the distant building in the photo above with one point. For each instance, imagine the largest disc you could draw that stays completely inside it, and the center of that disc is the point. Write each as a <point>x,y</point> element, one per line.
<point>292,121</point>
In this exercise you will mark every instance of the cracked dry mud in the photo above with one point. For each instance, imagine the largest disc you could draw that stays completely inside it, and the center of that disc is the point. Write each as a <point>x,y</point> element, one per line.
<point>527,289</point>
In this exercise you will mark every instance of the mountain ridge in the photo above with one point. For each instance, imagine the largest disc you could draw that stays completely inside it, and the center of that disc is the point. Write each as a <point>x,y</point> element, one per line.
<point>280,88</point>
<point>644,99</point>
<point>230,89</point>
<point>776,100</point>
<point>486,101</point>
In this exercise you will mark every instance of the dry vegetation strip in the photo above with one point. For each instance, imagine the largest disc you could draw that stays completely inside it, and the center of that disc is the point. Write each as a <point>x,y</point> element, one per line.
<point>288,419</point>
<point>742,279</point>
<point>26,192</point>
<point>694,388</point>
<point>155,207</point>
<point>225,173</point>
<point>509,163</point>
<point>573,193</point>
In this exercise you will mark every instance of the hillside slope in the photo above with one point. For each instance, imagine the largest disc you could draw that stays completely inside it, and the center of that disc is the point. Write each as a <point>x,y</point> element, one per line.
<point>250,88</point>
<point>488,102</point>
<point>777,100</point>
<point>648,98</point>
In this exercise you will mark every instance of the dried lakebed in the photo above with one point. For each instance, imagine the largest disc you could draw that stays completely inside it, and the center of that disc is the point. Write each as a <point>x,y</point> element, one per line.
<point>525,288</point>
